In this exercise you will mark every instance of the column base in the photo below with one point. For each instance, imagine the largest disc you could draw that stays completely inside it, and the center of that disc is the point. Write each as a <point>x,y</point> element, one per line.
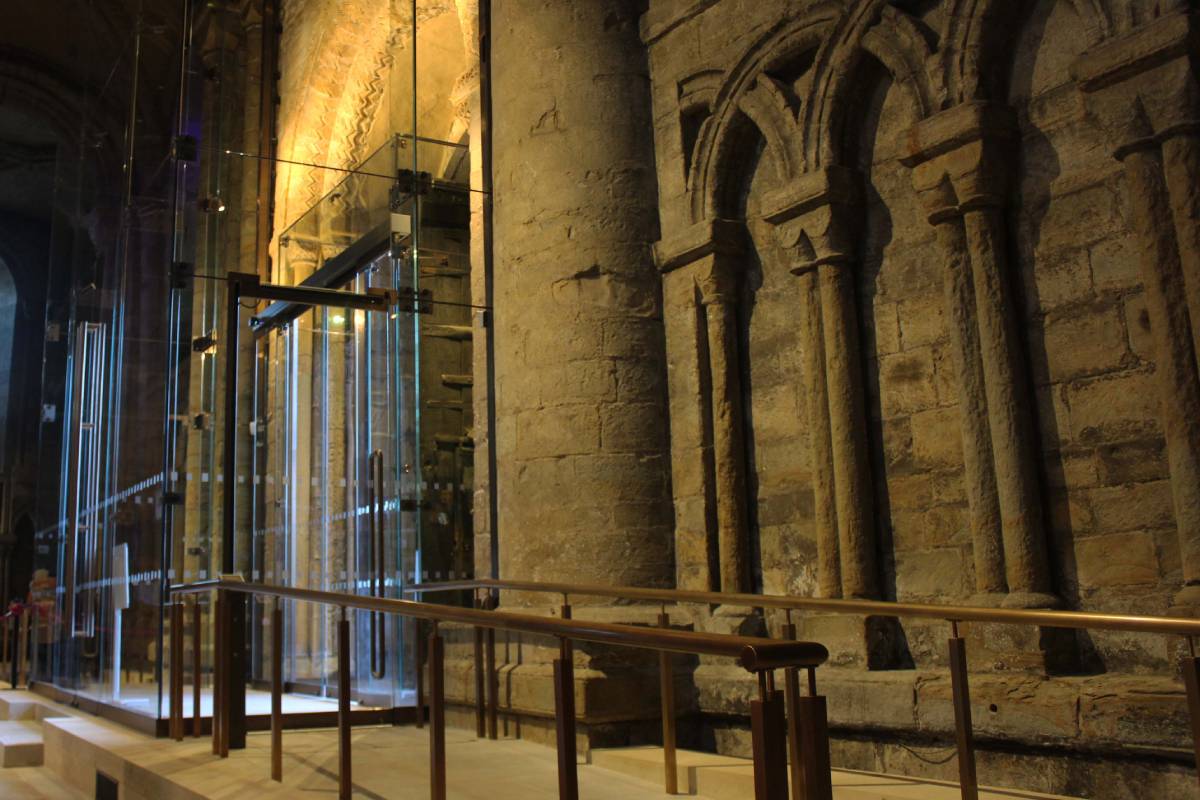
<point>867,642</point>
<point>1030,600</point>
<point>1186,602</point>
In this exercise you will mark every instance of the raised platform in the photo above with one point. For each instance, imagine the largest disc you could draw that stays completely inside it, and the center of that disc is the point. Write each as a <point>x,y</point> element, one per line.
<point>388,762</point>
<point>719,777</point>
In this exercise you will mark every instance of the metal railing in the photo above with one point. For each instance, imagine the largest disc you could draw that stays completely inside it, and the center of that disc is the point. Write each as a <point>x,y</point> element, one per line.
<point>486,591</point>
<point>16,630</point>
<point>760,656</point>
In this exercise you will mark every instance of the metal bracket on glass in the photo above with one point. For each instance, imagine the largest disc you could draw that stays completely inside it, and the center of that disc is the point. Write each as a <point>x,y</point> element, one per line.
<point>415,302</point>
<point>184,148</point>
<point>409,183</point>
<point>181,273</point>
<point>206,343</point>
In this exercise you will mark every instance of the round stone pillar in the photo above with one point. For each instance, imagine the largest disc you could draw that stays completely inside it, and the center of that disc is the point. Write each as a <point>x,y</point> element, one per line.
<point>584,489</point>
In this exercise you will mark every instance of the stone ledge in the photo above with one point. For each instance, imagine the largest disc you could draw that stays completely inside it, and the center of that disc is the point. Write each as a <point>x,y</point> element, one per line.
<point>1105,713</point>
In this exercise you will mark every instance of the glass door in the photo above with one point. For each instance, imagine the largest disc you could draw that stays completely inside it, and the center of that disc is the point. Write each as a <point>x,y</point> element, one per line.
<point>333,446</point>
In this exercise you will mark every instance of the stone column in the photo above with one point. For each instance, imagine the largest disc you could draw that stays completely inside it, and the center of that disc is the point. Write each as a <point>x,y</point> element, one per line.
<point>719,287</point>
<point>580,366</point>
<point>847,429</point>
<point>816,396</point>
<point>978,468</point>
<point>815,223</point>
<point>690,263</point>
<point>1009,414</point>
<point>959,164</point>
<point>1142,91</point>
<point>1181,166</point>
<point>1175,361</point>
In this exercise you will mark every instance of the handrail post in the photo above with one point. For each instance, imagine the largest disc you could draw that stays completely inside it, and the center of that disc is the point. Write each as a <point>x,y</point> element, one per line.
<point>233,715</point>
<point>197,664</point>
<point>437,717</point>
<point>493,680</point>
<point>218,671</point>
<point>23,650</point>
<point>1190,666</point>
<point>964,738</point>
<point>768,741</point>
<point>343,709</point>
<point>480,712</point>
<point>812,733</point>
<point>791,691</point>
<point>667,694</point>
<point>277,691</point>
<point>176,719</point>
<point>420,659</point>
<point>564,714</point>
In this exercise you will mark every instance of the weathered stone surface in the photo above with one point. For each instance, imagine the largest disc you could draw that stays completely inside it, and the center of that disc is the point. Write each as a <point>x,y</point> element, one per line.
<point>924,327</point>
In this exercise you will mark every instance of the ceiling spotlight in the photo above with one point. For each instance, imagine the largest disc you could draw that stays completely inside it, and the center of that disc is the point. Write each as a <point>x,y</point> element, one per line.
<point>212,205</point>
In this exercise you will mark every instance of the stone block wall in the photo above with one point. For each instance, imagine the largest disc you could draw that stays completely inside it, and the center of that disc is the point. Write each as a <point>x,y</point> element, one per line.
<point>845,298</point>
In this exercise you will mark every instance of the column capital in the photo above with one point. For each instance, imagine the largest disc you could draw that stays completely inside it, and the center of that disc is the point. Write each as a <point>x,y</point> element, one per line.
<point>957,158</point>
<point>816,217</point>
<point>1140,88</point>
<point>704,239</point>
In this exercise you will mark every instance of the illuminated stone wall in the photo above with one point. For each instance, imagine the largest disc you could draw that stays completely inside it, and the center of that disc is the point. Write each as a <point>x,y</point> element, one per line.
<point>883,300</point>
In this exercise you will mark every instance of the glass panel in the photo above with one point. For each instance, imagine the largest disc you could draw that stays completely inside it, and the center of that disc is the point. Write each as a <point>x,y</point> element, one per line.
<point>337,390</point>
<point>134,438</point>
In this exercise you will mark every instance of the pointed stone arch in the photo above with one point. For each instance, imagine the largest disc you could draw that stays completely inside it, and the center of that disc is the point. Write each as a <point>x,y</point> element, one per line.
<point>976,35</point>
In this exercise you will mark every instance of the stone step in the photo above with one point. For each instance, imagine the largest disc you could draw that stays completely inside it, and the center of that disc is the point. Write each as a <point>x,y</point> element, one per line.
<point>720,777</point>
<point>20,743</point>
<point>20,705</point>
<point>36,783</point>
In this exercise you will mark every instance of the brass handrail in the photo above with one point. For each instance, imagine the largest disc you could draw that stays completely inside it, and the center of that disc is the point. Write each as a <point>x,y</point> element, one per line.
<point>1188,628</point>
<point>758,655</point>
<point>1084,620</point>
<point>753,653</point>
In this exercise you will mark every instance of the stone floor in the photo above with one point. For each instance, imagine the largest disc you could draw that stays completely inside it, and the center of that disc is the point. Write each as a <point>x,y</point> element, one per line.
<point>35,783</point>
<point>390,763</point>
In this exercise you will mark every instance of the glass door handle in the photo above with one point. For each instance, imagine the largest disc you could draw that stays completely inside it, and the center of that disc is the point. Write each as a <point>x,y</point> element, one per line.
<point>375,500</point>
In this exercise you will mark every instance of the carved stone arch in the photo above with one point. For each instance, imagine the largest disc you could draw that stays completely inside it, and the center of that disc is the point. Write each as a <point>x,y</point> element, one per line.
<point>977,35</point>
<point>890,37</point>
<point>752,96</point>
<point>40,90</point>
<point>320,85</point>
<point>696,98</point>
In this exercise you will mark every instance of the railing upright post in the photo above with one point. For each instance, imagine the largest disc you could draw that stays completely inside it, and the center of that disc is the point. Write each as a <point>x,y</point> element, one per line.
<point>23,650</point>
<point>493,680</point>
<point>277,691</point>
<point>420,659</point>
<point>791,692</point>
<point>769,741</point>
<point>666,679</point>
<point>218,670</point>
<point>812,732</point>
<point>564,714</point>
<point>345,785</point>
<point>35,626</point>
<point>963,735</point>
<point>197,663</point>
<point>233,684</point>
<point>480,708</point>
<point>437,717</point>
<point>177,671</point>
<point>1191,680</point>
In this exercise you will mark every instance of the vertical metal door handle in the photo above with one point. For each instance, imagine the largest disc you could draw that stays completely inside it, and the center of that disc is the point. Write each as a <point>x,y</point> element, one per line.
<point>378,629</point>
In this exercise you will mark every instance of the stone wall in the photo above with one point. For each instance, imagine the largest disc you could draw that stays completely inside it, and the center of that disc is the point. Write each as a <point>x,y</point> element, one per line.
<point>950,384</point>
<point>954,240</point>
<point>889,300</point>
